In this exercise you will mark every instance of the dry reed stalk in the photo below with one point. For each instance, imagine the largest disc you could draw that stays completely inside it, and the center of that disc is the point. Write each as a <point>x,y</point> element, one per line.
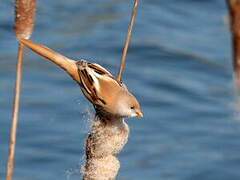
<point>24,22</point>
<point>127,41</point>
<point>234,14</point>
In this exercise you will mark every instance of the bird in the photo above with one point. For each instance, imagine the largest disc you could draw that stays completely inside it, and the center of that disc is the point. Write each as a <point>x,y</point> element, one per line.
<point>108,95</point>
<point>105,92</point>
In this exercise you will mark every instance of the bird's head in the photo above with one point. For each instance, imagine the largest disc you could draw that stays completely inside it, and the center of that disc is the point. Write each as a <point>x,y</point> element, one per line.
<point>126,105</point>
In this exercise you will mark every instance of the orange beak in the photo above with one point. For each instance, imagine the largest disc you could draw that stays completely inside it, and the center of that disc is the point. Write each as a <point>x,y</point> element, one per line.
<point>139,113</point>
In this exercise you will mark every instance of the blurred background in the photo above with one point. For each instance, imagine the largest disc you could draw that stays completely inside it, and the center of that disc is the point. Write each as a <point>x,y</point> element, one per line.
<point>178,66</point>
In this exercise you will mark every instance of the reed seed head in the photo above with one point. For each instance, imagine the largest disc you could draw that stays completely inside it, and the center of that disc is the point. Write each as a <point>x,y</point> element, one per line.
<point>24,18</point>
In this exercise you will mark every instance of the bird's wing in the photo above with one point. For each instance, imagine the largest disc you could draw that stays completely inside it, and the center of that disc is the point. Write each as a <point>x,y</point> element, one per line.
<point>96,82</point>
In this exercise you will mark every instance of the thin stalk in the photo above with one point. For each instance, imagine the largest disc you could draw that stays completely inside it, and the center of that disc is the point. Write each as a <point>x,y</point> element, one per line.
<point>24,23</point>
<point>15,113</point>
<point>128,37</point>
<point>234,16</point>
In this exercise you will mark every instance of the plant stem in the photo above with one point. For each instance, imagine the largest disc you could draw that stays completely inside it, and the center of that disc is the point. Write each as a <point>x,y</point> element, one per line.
<point>128,37</point>
<point>234,16</point>
<point>15,113</point>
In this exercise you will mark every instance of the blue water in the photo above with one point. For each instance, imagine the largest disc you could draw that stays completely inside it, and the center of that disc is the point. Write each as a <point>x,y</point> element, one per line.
<point>178,66</point>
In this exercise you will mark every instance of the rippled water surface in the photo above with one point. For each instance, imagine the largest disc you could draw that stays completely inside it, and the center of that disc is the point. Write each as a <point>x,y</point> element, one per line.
<point>178,65</point>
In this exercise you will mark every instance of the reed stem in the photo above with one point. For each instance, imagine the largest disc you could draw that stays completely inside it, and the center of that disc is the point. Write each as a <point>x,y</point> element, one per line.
<point>234,14</point>
<point>24,22</point>
<point>127,41</point>
<point>12,143</point>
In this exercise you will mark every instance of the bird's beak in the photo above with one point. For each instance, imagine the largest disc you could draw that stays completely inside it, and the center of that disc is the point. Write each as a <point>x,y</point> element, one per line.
<point>139,113</point>
<point>67,64</point>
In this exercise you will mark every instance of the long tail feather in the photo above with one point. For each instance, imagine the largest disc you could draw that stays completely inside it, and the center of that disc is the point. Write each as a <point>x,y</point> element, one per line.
<point>67,64</point>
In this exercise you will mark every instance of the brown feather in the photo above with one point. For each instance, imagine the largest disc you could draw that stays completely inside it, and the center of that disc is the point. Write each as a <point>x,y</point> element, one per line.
<point>98,69</point>
<point>87,84</point>
<point>108,85</point>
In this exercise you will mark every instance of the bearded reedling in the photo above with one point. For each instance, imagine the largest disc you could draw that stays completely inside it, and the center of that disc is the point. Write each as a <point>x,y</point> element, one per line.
<point>112,102</point>
<point>104,91</point>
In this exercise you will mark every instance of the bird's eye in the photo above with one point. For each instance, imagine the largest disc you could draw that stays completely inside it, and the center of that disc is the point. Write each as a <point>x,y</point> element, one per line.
<point>132,107</point>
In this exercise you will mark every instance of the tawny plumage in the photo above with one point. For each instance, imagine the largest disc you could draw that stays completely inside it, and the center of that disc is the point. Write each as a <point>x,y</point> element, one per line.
<point>105,92</point>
